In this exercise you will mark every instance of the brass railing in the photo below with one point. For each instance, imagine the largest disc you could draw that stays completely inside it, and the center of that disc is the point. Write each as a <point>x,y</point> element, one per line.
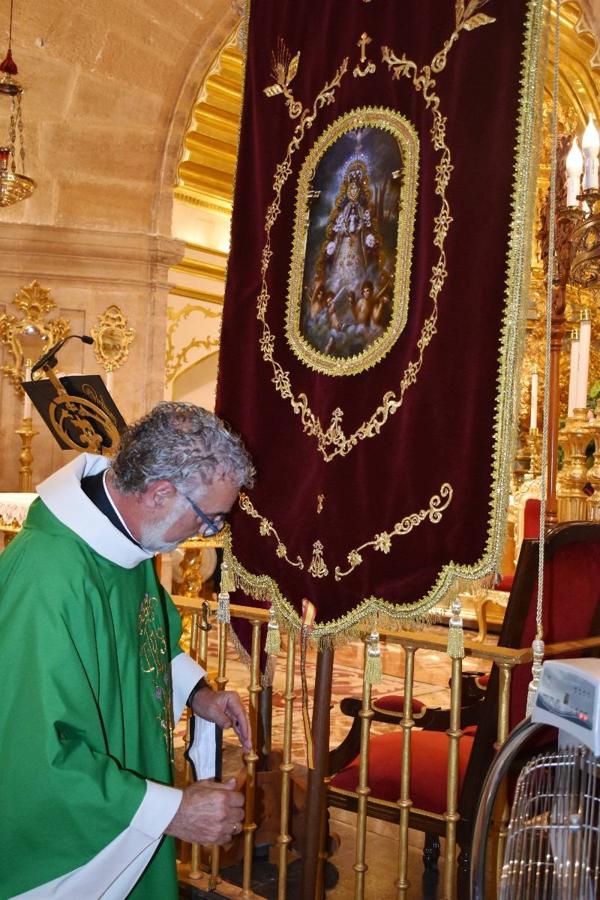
<point>411,642</point>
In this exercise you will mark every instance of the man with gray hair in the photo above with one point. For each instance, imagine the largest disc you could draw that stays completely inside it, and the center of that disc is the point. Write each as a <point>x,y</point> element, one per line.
<point>93,674</point>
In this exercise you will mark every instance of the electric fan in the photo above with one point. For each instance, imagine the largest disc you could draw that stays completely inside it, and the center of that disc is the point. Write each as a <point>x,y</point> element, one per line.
<point>553,843</point>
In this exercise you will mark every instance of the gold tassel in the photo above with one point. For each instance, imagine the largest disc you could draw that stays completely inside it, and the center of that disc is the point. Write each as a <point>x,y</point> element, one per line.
<point>273,641</point>
<point>373,670</point>
<point>223,614</point>
<point>456,640</point>
<point>227,579</point>
<point>537,663</point>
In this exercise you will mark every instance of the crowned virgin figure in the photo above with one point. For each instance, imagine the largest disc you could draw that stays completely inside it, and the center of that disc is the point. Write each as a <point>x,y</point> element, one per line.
<point>350,251</point>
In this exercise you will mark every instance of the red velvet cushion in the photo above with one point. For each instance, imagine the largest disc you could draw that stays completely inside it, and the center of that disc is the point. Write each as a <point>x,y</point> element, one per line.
<point>429,760</point>
<point>395,703</point>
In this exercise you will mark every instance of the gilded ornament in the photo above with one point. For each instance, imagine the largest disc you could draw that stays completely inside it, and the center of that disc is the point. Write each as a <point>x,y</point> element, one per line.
<point>29,335</point>
<point>112,339</point>
<point>176,361</point>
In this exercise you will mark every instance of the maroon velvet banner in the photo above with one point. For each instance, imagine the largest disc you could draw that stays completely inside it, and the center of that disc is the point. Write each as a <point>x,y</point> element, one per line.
<point>369,344</point>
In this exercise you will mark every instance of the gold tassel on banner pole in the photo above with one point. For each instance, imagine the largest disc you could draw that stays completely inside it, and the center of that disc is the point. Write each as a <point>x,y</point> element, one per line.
<point>373,671</point>
<point>273,641</point>
<point>227,585</point>
<point>456,640</point>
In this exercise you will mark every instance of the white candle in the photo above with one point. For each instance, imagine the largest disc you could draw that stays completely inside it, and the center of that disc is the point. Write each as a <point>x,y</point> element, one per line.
<point>574,171</point>
<point>585,333</point>
<point>109,381</point>
<point>27,399</point>
<point>590,146</point>
<point>573,366</point>
<point>534,401</point>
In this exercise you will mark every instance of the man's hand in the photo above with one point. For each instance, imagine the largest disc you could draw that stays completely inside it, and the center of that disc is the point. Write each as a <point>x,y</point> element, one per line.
<point>225,709</point>
<point>209,813</point>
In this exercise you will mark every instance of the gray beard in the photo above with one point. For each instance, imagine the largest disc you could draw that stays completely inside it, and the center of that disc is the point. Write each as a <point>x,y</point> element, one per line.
<point>152,537</point>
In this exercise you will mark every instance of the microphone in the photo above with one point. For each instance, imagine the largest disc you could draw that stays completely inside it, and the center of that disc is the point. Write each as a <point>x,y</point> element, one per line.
<point>49,357</point>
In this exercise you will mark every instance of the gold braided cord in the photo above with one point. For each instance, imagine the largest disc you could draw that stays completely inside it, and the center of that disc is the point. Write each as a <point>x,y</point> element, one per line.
<point>538,643</point>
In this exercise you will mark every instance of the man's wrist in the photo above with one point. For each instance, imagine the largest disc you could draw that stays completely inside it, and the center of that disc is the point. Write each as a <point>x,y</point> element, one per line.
<point>199,686</point>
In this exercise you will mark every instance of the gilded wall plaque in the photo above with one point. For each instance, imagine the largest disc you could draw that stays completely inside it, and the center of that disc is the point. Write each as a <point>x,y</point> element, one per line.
<point>351,259</point>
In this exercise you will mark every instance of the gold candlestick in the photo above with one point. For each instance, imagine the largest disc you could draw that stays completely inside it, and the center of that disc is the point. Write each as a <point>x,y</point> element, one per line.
<point>26,432</point>
<point>574,438</point>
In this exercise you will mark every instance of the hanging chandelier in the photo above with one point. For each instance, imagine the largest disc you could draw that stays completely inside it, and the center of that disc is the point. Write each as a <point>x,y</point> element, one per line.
<point>14,185</point>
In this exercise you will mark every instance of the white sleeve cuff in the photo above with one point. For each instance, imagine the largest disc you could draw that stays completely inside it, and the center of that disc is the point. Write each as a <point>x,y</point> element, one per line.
<point>185,674</point>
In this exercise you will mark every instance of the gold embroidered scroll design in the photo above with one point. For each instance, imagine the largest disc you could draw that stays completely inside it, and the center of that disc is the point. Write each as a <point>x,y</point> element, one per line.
<point>318,567</point>
<point>155,661</point>
<point>266,529</point>
<point>383,541</point>
<point>284,69</point>
<point>370,66</point>
<point>332,440</point>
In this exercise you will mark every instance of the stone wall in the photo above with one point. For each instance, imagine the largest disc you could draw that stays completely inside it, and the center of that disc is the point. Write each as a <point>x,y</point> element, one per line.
<point>108,92</point>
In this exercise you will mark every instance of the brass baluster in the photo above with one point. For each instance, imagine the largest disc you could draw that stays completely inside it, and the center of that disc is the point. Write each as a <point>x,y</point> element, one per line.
<point>286,766</point>
<point>404,802</point>
<point>363,790</point>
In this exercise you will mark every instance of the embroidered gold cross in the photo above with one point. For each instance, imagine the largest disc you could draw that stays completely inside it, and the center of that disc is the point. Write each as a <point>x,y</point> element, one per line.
<point>363,42</point>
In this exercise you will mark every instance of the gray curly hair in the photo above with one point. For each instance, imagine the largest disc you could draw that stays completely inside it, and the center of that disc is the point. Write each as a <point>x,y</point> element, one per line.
<point>176,441</point>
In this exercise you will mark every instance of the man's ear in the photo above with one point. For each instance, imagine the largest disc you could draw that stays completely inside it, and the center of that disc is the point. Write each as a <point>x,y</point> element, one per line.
<point>158,493</point>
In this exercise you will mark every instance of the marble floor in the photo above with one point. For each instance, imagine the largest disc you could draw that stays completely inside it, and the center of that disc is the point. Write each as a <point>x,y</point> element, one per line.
<point>432,672</point>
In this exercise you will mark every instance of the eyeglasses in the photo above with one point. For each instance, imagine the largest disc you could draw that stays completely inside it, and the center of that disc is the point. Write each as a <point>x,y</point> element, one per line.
<point>212,524</point>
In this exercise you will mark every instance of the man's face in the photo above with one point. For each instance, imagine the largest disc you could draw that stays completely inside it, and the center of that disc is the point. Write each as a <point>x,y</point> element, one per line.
<point>180,522</point>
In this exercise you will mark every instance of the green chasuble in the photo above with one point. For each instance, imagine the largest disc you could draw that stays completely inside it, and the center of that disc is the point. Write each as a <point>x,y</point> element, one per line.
<point>85,653</point>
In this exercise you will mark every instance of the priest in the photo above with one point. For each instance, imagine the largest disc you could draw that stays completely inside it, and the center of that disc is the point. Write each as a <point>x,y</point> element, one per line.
<point>93,676</point>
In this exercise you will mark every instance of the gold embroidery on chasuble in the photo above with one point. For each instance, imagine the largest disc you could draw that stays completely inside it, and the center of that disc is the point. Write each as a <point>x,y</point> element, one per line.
<point>352,249</point>
<point>155,661</point>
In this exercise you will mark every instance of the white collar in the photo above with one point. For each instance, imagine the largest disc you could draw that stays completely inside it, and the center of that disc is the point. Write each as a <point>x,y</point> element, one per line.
<point>62,494</point>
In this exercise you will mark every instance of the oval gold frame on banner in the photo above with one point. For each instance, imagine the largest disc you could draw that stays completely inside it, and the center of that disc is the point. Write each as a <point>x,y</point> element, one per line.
<point>408,144</point>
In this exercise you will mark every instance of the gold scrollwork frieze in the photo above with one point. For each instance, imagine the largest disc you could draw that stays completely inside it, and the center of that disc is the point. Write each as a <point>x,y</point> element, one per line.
<point>176,360</point>
<point>383,541</point>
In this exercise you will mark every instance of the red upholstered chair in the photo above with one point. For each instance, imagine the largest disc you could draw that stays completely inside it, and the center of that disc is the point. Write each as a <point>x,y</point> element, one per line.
<point>571,612</point>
